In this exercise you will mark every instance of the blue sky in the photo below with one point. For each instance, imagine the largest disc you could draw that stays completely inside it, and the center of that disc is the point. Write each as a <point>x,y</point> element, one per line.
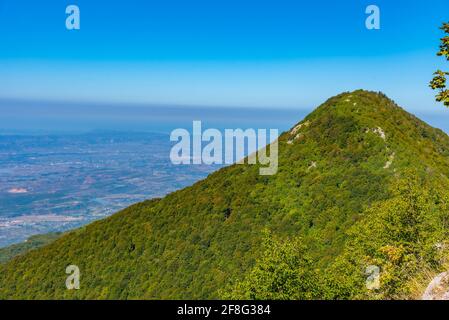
<point>286,54</point>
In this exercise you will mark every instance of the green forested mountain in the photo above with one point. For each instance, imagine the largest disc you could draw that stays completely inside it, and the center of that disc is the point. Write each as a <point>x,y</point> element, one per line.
<point>360,182</point>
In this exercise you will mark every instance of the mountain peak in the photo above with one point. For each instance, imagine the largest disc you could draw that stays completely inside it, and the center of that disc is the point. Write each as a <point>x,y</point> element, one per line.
<point>365,128</point>
<point>364,110</point>
<point>359,103</point>
<point>361,108</point>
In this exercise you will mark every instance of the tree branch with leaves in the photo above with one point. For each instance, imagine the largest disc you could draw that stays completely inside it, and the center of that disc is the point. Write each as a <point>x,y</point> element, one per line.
<point>439,80</point>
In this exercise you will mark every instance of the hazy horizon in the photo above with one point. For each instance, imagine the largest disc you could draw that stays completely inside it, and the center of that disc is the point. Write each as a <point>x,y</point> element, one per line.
<point>58,117</point>
<point>286,54</point>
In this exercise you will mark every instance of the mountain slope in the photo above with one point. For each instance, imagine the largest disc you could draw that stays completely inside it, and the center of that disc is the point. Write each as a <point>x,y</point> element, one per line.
<point>341,170</point>
<point>33,242</point>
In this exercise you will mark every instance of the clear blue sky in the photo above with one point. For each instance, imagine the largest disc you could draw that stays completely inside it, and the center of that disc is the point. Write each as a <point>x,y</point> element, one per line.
<point>219,52</point>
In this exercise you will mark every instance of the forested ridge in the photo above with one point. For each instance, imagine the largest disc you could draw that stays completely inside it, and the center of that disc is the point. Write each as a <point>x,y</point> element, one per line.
<point>360,182</point>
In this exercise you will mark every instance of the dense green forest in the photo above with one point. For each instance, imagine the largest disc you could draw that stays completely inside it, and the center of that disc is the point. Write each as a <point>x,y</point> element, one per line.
<point>360,182</point>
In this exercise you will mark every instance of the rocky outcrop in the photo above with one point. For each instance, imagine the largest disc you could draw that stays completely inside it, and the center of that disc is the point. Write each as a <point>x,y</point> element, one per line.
<point>438,288</point>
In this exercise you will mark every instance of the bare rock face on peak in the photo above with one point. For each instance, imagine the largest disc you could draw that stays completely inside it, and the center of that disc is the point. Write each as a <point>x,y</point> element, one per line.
<point>438,288</point>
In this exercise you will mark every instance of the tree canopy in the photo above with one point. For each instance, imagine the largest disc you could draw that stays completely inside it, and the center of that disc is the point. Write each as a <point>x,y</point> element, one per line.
<point>439,80</point>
